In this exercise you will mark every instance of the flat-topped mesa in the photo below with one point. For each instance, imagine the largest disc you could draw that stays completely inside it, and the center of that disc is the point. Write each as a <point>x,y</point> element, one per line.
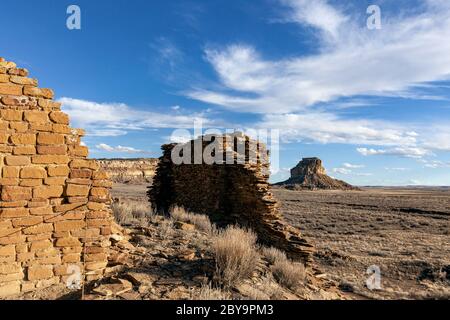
<point>55,218</point>
<point>307,167</point>
<point>229,192</point>
<point>310,174</point>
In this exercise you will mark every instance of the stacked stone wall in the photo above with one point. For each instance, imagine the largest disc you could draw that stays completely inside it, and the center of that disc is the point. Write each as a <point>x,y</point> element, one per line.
<point>229,192</point>
<point>54,202</point>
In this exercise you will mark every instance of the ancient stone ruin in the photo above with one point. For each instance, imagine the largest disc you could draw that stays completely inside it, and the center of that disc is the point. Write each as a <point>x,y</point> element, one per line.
<point>54,212</point>
<point>233,189</point>
<point>133,171</point>
<point>310,174</point>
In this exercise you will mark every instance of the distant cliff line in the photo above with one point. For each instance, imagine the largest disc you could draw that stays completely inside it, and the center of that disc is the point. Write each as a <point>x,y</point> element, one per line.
<point>133,170</point>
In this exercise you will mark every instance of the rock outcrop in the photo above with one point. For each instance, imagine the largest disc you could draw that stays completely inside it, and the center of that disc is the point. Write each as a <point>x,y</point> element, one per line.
<point>310,174</point>
<point>233,191</point>
<point>133,171</point>
<point>55,219</point>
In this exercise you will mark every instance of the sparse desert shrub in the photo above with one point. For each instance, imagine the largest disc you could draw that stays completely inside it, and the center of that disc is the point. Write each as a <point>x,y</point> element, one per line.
<point>166,229</point>
<point>289,274</point>
<point>273,255</point>
<point>236,255</point>
<point>208,292</point>
<point>131,211</point>
<point>122,212</point>
<point>266,289</point>
<point>201,221</point>
<point>179,214</point>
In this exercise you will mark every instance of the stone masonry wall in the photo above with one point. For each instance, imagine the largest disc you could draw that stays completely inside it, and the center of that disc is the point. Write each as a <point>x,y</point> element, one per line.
<point>228,193</point>
<point>54,202</point>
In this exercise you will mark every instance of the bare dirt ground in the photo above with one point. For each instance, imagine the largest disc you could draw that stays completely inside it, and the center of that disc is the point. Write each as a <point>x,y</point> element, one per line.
<point>406,232</point>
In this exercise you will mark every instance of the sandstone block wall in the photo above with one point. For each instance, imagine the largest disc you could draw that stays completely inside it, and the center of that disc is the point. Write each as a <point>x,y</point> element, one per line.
<point>54,202</point>
<point>228,193</point>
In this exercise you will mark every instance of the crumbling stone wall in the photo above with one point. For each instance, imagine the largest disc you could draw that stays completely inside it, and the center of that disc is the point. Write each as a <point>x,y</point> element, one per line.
<point>54,202</point>
<point>228,193</point>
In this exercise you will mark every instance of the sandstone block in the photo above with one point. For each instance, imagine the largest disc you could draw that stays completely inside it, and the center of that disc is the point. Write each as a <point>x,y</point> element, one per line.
<point>33,173</point>
<point>18,127</point>
<point>38,92</point>
<point>23,138</point>
<point>59,117</point>
<point>4,78</point>
<point>11,89</point>
<point>100,192</point>
<point>4,138</point>
<point>45,138</point>
<point>13,193</point>
<point>87,164</point>
<point>61,128</point>
<point>80,173</point>
<point>43,211</point>
<point>50,159</point>
<point>23,80</point>
<point>39,229</point>
<point>46,127</point>
<point>24,150</point>
<point>8,250</point>
<point>69,225</point>
<point>39,273</point>
<point>9,289</point>
<point>26,222</point>
<point>17,160</point>
<point>77,190</point>
<point>54,149</point>
<point>36,116</point>
<point>45,192</point>
<point>41,245</point>
<point>10,268</point>
<point>10,172</point>
<point>59,181</point>
<point>11,115</point>
<point>58,171</point>
<point>68,242</point>
<point>30,182</point>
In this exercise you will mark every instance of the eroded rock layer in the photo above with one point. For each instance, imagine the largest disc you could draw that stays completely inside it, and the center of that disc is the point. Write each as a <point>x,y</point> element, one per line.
<point>310,174</point>
<point>129,170</point>
<point>54,203</point>
<point>231,192</point>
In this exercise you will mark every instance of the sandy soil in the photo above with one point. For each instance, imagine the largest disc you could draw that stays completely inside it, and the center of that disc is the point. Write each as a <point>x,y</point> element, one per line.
<point>405,232</point>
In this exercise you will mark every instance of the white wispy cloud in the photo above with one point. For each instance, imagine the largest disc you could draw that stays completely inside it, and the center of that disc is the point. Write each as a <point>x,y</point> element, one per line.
<point>115,119</point>
<point>344,171</point>
<point>396,169</point>
<point>408,152</point>
<point>330,128</point>
<point>119,149</point>
<point>435,164</point>
<point>407,51</point>
<point>318,14</point>
<point>353,166</point>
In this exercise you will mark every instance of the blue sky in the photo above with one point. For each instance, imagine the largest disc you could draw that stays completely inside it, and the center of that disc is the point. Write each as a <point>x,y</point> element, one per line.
<point>373,104</point>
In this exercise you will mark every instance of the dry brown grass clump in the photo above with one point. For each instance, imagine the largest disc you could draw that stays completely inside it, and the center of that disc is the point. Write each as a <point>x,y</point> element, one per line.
<point>131,211</point>
<point>273,255</point>
<point>208,292</point>
<point>289,274</point>
<point>236,255</point>
<point>202,222</point>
